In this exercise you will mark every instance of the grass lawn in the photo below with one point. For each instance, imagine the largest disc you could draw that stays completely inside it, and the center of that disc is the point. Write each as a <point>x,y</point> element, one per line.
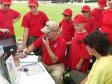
<point>52,10</point>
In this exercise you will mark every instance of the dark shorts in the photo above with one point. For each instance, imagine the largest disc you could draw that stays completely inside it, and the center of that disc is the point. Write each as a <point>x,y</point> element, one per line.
<point>9,45</point>
<point>30,40</point>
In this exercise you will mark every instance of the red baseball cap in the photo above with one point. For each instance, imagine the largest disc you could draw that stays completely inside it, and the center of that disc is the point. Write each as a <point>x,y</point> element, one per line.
<point>7,1</point>
<point>102,3</point>
<point>68,12</point>
<point>79,19</point>
<point>32,2</point>
<point>86,8</point>
<point>1,0</point>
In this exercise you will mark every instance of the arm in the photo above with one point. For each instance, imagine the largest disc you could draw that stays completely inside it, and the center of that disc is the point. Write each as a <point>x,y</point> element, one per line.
<point>60,27</point>
<point>50,52</point>
<point>25,37</point>
<point>16,15</point>
<point>84,55</point>
<point>4,30</point>
<point>79,65</point>
<point>44,18</point>
<point>1,30</point>
<point>30,49</point>
<point>16,19</point>
<point>60,30</point>
<point>83,81</point>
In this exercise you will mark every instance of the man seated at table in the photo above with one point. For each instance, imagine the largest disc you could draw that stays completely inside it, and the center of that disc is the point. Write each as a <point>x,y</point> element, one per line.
<point>53,47</point>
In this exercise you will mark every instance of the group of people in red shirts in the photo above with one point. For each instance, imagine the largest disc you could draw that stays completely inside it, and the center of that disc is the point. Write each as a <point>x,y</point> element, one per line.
<point>61,44</point>
<point>8,17</point>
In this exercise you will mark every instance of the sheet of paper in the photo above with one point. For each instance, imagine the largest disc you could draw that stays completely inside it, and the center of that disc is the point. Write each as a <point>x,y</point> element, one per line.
<point>31,58</point>
<point>12,70</point>
<point>32,69</point>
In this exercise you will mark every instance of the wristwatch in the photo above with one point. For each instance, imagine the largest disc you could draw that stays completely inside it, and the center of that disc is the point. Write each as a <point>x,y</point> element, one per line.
<point>27,53</point>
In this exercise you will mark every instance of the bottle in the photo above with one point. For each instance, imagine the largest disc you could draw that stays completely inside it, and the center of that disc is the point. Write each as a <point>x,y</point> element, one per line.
<point>19,44</point>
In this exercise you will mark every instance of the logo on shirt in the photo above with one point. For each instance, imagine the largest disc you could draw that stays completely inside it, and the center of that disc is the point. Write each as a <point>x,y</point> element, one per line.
<point>55,45</point>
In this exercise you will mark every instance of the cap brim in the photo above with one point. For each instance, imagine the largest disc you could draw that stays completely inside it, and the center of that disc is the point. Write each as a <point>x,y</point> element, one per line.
<point>45,30</point>
<point>7,3</point>
<point>31,4</point>
<point>67,14</point>
<point>78,22</point>
<point>85,11</point>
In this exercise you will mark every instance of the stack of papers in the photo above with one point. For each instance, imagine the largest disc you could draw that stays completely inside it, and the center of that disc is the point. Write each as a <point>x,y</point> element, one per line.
<point>31,66</point>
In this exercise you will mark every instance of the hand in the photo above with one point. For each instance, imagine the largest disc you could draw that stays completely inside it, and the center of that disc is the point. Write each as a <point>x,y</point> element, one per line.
<point>23,55</point>
<point>5,30</point>
<point>16,60</point>
<point>60,32</point>
<point>83,81</point>
<point>68,43</point>
<point>45,41</point>
<point>20,48</point>
<point>78,67</point>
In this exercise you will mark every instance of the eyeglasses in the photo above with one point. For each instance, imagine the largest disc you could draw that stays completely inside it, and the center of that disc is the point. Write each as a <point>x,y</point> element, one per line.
<point>7,5</point>
<point>84,11</point>
<point>32,6</point>
<point>48,27</point>
<point>109,0</point>
<point>66,15</point>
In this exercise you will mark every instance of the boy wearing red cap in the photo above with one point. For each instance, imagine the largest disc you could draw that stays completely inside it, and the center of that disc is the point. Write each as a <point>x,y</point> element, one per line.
<point>107,20</point>
<point>8,17</point>
<point>66,27</point>
<point>102,3</point>
<point>79,57</point>
<point>90,24</point>
<point>32,23</point>
<point>97,12</point>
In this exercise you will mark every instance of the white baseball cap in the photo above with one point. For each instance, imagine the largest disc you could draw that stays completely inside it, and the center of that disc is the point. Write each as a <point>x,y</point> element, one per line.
<point>50,26</point>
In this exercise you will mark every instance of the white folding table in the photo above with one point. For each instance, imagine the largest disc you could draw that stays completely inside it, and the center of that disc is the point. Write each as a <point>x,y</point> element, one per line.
<point>39,78</point>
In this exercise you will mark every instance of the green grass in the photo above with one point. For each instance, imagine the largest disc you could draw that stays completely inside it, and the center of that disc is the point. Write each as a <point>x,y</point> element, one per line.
<point>54,12</point>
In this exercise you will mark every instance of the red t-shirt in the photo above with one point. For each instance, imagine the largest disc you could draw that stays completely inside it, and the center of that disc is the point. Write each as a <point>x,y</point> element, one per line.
<point>78,50</point>
<point>7,18</point>
<point>90,25</point>
<point>97,14</point>
<point>67,30</point>
<point>107,23</point>
<point>34,23</point>
<point>58,46</point>
<point>107,17</point>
